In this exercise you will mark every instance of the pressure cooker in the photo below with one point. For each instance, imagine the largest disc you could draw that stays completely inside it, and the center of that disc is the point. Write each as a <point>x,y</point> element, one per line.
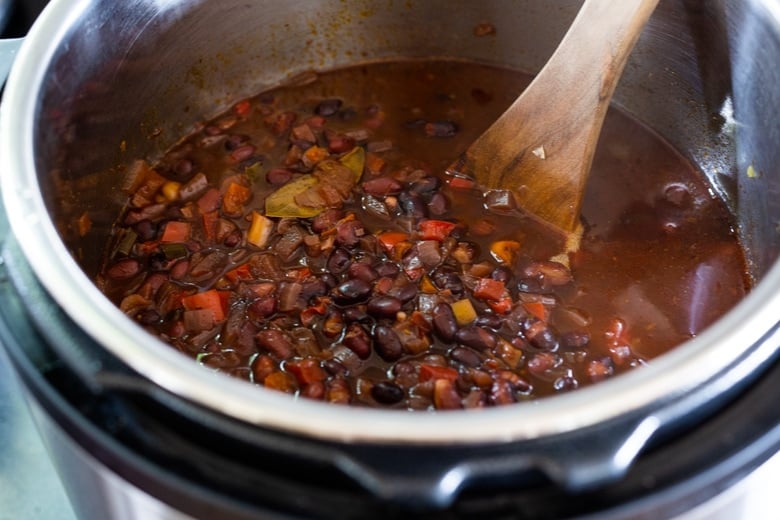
<point>138,430</point>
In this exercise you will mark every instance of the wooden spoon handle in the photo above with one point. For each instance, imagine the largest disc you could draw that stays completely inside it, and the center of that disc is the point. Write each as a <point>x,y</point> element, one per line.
<point>542,146</point>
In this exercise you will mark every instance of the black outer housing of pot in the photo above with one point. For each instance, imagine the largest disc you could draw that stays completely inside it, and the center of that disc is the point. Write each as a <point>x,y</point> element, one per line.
<point>204,464</point>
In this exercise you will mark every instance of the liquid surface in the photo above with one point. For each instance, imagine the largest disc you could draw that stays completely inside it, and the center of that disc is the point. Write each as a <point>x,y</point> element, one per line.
<point>310,241</point>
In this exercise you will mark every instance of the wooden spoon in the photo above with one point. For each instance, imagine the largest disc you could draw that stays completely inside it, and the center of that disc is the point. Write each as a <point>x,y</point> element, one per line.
<point>542,147</point>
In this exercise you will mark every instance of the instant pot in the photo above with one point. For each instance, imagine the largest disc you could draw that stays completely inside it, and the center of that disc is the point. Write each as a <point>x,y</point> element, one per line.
<point>137,430</point>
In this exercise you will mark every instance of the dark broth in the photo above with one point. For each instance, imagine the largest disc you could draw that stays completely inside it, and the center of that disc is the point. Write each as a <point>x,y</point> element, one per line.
<point>658,262</point>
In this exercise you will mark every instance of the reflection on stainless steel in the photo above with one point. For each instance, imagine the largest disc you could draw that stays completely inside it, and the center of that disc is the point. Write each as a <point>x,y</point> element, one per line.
<point>29,486</point>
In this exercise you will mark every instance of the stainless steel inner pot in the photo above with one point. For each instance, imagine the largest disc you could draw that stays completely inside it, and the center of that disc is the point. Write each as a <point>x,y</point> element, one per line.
<point>98,83</point>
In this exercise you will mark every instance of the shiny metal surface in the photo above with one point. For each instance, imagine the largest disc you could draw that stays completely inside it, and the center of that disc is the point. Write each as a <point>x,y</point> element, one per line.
<point>29,486</point>
<point>99,99</point>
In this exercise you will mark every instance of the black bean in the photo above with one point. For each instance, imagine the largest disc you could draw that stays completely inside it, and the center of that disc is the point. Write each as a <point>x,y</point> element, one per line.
<point>312,288</point>
<point>326,220</point>
<point>387,392</point>
<point>405,292</point>
<point>339,261</point>
<point>412,205</point>
<point>414,123</point>
<point>351,291</point>
<point>388,269</point>
<point>328,107</point>
<point>438,205</point>
<point>502,274</point>
<point>276,342</point>
<point>329,280</point>
<point>347,114</point>
<point>278,176</point>
<point>491,321</point>
<point>233,238</point>
<point>146,230</point>
<point>148,317</point>
<point>362,271</point>
<point>425,185</point>
<point>333,367</point>
<point>261,308</point>
<point>235,141</point>
<point>466,357</point>
<point>441,129</point>
<point>182,170</point>
<point>447,280</point>
<point>574,340</point>
<point>381,187</point>
<point>540,335</point>
<point>444,324</point>
<point>565,383</point>
<point>356,313</point>
<point>357,340</point>
<point>383,306</point>
<point>387,344</point>
<point>476,337</point>
<point>502,392</point>
<point>124,269</point>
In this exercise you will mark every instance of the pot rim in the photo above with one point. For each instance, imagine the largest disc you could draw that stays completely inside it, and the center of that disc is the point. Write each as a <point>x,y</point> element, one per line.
<point>667,379</point>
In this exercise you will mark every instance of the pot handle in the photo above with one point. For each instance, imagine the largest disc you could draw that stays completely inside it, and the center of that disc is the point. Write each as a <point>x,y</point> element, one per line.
<point>578,462</point>
<point>8,50</point>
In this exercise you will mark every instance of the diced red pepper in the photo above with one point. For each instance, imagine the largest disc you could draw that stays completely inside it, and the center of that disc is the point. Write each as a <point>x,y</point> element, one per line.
<point>389,239</point>
<point>428,372</point>
<point>242,272</point>
<point>536,309</point>
<point>306,371</point>
<point>176,232</point>
<point>213,300</point>
<point>489,289</point>
<point>461,183</point>
<point>502,306</point>
<point>298,274</point>
<point>435,229</point>
<point>243,108</point>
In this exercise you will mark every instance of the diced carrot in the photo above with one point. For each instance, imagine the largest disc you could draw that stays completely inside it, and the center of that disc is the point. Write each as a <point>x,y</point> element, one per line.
<point>464,311</point>
<point>213,300</point>
<point>236,195</point>
<point>427,286</point>
<point>314,155</point>
<point>389,239</point>
<point>278,381</point>
<point>374,163</point>
<point>259,230</point>
<point>84,224</point>
<point>505,251</point>
<point>428,372</point>
<point>435,229</point>
<point>242,272</point>
<point>489,289</point>
<point>176,231</point>
<point>170,190</point>
<point>536,309</point>
<point>461,183</point>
